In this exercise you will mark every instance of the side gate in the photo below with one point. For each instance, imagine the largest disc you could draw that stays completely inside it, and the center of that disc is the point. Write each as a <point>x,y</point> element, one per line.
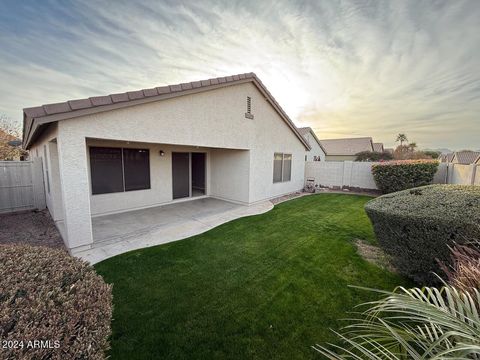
<point>21,185</point>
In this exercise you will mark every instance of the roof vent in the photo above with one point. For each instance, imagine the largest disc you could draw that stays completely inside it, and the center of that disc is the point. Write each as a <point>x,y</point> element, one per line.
<point>249,114</point>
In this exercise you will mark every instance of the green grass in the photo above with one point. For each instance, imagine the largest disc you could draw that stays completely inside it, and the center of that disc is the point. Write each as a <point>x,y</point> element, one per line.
<point>263,287</point>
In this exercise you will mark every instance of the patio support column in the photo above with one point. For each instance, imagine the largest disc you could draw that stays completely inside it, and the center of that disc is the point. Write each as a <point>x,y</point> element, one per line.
<point>73,166</point>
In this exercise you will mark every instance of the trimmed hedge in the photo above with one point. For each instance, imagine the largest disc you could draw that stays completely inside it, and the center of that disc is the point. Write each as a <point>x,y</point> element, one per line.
<point>403,174</point>
<point>52,306</point>
<point>417,226</point>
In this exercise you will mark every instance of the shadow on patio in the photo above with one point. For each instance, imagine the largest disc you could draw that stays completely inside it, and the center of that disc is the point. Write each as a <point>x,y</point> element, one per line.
<point>118,233</point>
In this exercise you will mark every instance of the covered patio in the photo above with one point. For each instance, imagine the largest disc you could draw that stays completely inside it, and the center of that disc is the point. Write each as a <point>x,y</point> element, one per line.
<point>118,233</point>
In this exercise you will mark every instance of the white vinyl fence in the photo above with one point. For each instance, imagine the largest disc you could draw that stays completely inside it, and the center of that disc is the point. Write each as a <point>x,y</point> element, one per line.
<point>21,185</point>
<point>340,174</point>
<point>351,174</point>
<point>463,174</point>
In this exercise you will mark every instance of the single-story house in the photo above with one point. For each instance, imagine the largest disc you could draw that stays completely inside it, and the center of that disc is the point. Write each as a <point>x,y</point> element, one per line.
<point>345,149</point>
<point>378,147</point>
<point>465,157</point>
<point>316,153</point>
<point>226,138</point>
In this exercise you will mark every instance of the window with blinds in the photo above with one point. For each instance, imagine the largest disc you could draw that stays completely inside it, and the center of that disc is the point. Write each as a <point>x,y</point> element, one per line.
<point>117,169</point>
<point>282,167</point>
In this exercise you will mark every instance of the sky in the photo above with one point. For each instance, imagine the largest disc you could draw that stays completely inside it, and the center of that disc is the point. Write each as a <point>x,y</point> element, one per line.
<point>345,68</point>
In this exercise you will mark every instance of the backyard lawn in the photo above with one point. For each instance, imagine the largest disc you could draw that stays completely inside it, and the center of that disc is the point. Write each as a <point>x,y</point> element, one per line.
<point>263,287</point>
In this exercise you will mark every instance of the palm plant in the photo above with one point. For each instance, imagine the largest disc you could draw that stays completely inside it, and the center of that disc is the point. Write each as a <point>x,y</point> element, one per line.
<point>402,138</point>
<point>427,323</point>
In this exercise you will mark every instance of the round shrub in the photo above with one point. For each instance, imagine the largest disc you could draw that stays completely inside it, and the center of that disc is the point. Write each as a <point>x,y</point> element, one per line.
<point>417,226</point>
<point>52,306</point>
<point>403,174</point>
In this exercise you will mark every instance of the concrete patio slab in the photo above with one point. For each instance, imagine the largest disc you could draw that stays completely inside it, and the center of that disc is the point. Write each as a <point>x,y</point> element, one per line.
<point>118,233</point>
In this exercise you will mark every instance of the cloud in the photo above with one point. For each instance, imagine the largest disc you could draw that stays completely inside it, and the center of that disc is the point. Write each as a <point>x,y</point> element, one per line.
<point>345,68</point>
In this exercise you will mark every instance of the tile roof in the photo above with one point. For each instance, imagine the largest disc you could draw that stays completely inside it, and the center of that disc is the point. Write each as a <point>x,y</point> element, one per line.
<point>72,105</point>
<point>466,157</point>
<point>378,147</point>
<point>347,147</point>
<point>74,108</point>
<point>305,130</point>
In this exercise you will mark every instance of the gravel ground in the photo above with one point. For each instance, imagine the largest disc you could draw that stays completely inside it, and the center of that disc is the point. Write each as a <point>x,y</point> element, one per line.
<point>349,191</point>
<point>287,197</point>
<point>29,227</point>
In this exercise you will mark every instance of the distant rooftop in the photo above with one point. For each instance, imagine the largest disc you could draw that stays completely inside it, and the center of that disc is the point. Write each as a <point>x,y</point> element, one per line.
<point>378,147</point>
<point>347,146</point>
<point>306,130</point>
<point>466,157</point>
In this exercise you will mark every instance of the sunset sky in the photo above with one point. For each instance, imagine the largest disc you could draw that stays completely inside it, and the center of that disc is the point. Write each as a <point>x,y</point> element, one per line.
<point>345,68</point>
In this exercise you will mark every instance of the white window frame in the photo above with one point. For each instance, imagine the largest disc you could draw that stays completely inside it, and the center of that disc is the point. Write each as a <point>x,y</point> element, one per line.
<point>283,167</point>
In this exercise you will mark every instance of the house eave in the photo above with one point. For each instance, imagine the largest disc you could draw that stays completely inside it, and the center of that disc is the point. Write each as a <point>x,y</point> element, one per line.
<point>36,123</point>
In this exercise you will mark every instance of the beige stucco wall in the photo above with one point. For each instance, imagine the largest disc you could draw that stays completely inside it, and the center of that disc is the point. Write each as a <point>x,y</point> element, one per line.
<point>230,174</point>
<point>272,135</point>
<point>213,119</point>
<point>54,196</point>
<point>315,150</point>
<point>340,158</point>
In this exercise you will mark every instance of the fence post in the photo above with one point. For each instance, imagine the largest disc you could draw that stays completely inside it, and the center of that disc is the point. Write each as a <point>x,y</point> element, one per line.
<point>347,173</point>
<point>37,184</point>
<point>473,169</point>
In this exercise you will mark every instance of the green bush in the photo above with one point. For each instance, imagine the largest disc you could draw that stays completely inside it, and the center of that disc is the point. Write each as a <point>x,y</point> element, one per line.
<point>417,226</point>
<point>373,156</point>
<point>405,174</point>
<point>52,306</point>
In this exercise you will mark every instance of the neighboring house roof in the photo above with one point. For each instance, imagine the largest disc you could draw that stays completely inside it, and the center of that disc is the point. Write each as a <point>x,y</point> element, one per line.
<point>477,161</point>
<point>348,147</point>
<point>465,157</point>
<point>35,118</point>
<point>449,157</point>
<point>442,158</point>
<point>378,147</point>
<point>305,130</point>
